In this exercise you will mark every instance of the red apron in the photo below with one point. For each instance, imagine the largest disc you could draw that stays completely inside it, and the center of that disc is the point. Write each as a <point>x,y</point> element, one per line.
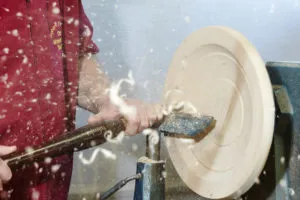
<point>41,42</point>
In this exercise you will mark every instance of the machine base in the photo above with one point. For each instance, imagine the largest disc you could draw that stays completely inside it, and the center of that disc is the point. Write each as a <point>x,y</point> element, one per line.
<point>280,179</point>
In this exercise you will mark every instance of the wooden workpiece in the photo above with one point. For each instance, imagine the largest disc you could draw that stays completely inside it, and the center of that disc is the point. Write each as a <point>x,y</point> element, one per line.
<point>222,75</point>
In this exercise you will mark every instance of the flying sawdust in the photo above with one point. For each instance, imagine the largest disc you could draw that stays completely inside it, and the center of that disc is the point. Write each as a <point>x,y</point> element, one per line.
<point>108,154</point>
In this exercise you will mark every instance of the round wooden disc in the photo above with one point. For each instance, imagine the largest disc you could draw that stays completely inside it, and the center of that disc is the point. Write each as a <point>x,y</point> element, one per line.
<point>221,74</point>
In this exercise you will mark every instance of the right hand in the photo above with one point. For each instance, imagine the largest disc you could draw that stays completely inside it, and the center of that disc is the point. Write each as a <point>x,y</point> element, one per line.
<point>5,172</point>
<point>146,115</point>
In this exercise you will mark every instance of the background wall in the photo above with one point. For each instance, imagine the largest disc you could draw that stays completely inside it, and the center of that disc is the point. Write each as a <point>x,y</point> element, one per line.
<point>142,35</point>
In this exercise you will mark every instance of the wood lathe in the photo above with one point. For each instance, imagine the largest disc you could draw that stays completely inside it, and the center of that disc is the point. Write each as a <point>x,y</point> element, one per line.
<point>253,152</point>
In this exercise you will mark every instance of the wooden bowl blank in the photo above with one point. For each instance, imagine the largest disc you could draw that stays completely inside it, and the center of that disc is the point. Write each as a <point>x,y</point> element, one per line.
<point>221,74</point>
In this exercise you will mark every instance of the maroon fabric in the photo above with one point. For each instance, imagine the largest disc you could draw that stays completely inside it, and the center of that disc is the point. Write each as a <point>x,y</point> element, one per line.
<point>41,42</point>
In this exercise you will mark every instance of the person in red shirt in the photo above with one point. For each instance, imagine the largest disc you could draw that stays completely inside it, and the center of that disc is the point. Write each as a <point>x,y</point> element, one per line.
<point>47,68</point>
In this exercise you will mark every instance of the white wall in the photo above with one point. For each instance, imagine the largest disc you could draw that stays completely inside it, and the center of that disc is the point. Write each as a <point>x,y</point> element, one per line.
<point>142,35</point>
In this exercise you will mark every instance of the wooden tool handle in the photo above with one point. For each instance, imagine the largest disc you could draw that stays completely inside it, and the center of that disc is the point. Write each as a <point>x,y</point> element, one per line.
<point>79,139</point>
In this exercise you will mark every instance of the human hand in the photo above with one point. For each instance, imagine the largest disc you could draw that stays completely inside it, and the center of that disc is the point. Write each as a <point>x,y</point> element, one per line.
<point>5,172</point>
<point>144,116</point>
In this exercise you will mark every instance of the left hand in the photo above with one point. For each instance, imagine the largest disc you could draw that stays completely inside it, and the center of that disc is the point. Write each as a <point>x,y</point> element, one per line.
<point>145,116</point>
<point>5,172</point>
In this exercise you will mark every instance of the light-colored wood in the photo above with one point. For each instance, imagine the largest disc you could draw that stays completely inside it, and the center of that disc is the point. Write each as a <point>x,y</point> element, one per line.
<point>221,74</point>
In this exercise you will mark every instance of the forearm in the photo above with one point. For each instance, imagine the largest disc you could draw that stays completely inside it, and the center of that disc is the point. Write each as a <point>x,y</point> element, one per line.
<point>93,84</point>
